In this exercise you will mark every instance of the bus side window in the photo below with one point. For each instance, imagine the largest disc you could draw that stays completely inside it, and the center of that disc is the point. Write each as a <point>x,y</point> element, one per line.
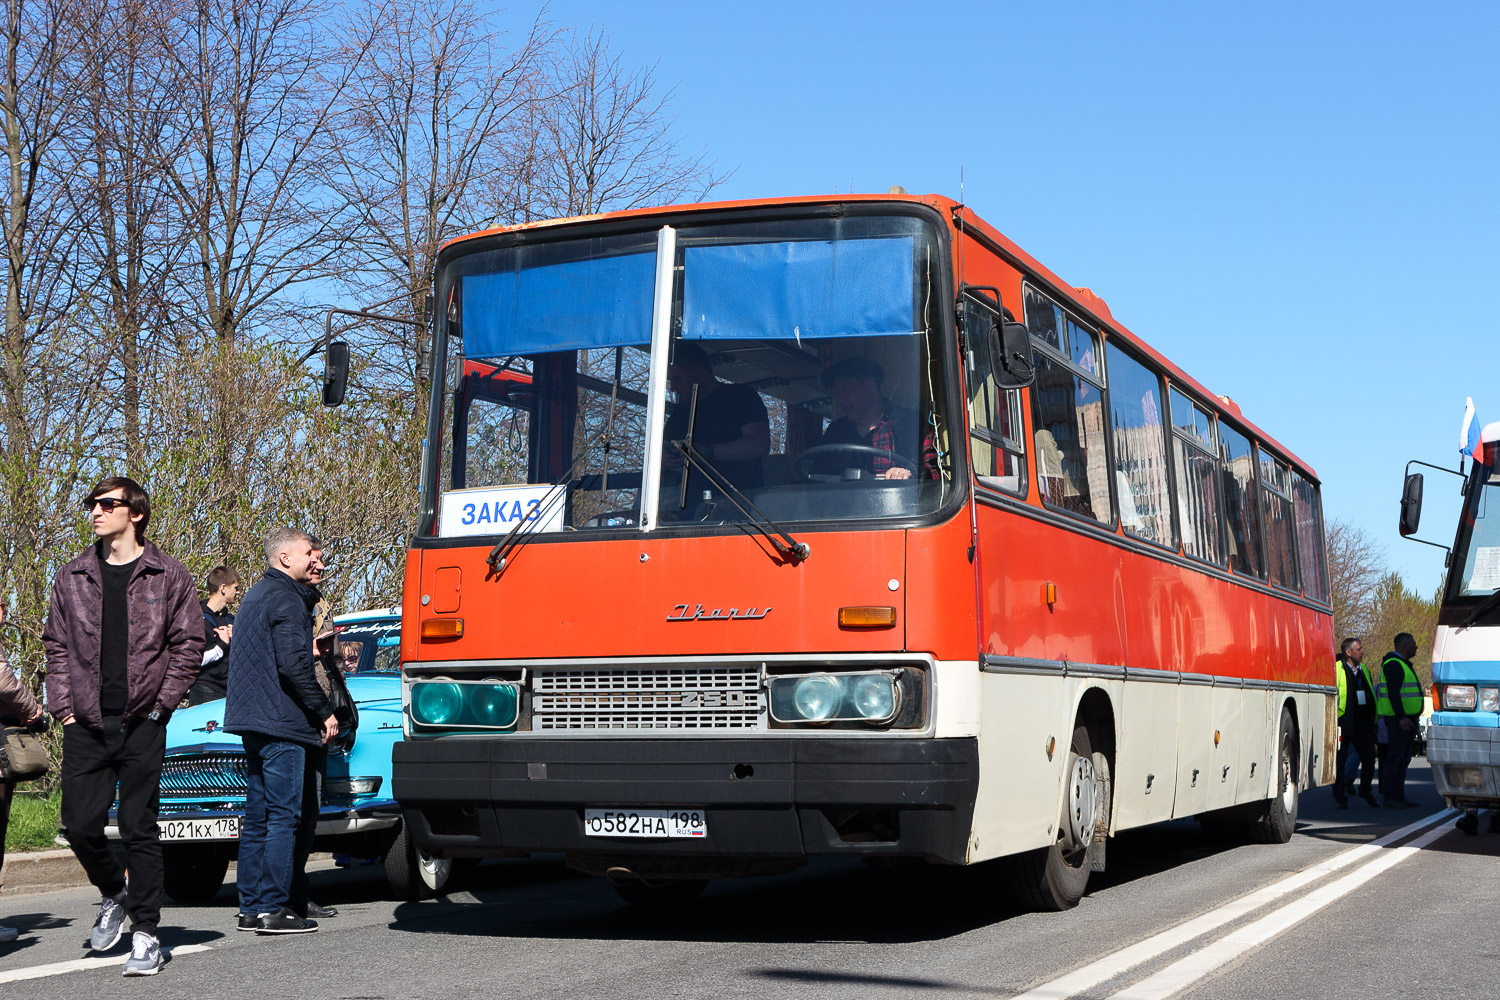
<point>1067,412</point>
<point>994,414</point>
<point>1309,514</point>
<point>1276,505</point>
<point>1239,503</point>
<point>1193,447</point>
<point>1140,448</point>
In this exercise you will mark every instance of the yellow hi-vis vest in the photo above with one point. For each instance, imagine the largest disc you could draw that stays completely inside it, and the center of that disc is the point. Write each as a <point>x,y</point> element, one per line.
<point>1343,683</point>
<point>1411,690</point>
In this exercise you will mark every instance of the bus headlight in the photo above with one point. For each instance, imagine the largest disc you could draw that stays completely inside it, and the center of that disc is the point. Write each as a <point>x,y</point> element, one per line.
<point>435,703</point>
<point>873,697</point>
<point>494,705</point>
<point>817,699</point>
<point>1459,697</point>
<point>1489,699</point>
<point>868,696</point>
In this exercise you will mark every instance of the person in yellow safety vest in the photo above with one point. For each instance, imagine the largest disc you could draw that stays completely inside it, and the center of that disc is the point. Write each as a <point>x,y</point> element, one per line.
<point>1356,723</point>
<point>1398,700</point>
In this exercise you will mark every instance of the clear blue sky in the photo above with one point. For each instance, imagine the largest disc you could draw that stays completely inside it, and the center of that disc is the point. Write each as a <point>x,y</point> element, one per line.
<point>1295,202</point>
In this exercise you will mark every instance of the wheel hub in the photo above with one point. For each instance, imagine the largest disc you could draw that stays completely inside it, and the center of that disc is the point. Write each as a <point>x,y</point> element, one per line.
<point>1083,802</point>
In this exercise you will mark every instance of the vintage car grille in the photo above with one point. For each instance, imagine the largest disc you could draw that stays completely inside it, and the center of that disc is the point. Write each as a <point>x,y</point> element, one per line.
<point>685,698</point>
<point>203,775</point>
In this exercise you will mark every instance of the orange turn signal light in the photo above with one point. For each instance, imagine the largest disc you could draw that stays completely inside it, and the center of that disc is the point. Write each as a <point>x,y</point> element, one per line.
<point>867,617</point>
<point>1049,593</point>
<point>442,628</point>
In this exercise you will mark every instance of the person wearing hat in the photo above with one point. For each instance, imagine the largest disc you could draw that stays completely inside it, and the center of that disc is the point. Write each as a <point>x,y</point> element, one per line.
<point>730,427</point>
<point>869,420</point>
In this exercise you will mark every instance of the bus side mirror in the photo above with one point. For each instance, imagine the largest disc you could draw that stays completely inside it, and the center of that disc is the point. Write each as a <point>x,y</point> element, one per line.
<point>1411,505</point>
<point>335,372</point>
<point>1010,346</point>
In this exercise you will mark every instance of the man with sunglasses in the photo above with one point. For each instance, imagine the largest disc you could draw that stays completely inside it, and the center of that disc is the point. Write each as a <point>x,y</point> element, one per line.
<point>124,641</point>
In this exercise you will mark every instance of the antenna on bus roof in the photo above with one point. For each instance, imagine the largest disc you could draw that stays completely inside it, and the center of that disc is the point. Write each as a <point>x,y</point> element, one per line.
<point>960,223</point>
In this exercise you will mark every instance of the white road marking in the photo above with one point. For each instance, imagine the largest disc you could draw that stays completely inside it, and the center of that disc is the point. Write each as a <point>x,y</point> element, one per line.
<point>1125,959</point>
<point>1184,972</point>
<point>81,964</point>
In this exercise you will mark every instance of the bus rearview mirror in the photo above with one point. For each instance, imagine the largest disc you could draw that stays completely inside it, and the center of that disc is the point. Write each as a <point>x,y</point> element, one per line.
<point>1411,505</point>
<point>1010,346</point>
<point>335,372</point>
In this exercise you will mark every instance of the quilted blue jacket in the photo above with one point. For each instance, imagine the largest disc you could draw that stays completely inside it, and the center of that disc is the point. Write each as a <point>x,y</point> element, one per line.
<point>272,689</point>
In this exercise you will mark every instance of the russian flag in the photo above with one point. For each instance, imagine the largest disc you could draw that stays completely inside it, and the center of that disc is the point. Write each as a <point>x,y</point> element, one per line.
<point>1468,432</point>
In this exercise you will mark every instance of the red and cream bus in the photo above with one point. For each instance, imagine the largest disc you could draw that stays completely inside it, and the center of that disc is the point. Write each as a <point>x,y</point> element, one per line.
<point>838,526</point>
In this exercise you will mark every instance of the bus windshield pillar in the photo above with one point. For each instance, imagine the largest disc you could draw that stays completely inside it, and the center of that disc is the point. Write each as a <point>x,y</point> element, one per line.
<point>656,391</point>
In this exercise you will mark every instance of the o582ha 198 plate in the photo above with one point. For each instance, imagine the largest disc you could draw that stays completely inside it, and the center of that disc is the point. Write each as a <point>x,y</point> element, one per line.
<point>660,824</point>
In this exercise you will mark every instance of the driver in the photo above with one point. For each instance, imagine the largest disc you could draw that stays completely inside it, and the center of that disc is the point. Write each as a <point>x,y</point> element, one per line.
<point>869,419</point>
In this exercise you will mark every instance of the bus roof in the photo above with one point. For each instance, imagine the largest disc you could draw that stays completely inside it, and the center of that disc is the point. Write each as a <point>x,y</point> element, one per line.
<point>1081,299</point>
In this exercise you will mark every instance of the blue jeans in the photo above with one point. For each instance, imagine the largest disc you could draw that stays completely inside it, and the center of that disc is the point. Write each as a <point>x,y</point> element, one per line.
<point>281,816</point>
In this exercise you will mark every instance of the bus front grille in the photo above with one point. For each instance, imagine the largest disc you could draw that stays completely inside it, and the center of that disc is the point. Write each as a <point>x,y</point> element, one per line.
<point>680,698</point>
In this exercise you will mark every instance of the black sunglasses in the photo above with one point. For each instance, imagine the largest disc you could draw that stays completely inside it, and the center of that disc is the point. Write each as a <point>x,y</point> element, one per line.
<point>108,503</point>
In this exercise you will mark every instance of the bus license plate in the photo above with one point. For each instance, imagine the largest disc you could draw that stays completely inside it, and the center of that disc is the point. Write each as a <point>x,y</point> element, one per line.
<point>218,828</point>
<point>663,824</point>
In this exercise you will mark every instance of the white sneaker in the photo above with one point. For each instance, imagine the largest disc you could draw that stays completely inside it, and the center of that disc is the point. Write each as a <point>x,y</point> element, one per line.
<point>145,955</point>
<point>8,934</point>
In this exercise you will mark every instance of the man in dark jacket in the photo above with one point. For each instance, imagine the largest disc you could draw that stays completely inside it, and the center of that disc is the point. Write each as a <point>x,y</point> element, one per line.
<point>218,631</point>
<point>276,706</point>
<point>124,641</point>
<point>1398,699</point>
<point>1356,723</point>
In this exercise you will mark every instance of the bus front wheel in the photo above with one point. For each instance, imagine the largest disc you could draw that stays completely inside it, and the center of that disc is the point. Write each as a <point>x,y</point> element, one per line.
<point>1055,877</point>
<point>412,873</point>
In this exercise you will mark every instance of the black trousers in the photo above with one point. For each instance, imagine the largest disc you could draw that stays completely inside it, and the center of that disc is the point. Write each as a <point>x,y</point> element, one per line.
<point>126,753</point>
<point>1359,740</point>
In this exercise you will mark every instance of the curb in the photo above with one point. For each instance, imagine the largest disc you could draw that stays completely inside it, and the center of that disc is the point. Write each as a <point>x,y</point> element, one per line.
<point>41,871</point>
<point>51,871</point>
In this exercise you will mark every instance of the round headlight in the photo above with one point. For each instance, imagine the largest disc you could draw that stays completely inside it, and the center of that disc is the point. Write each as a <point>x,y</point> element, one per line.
<point>436,703</point>
<point>817,698</point>
<point>873,696</point>
<point>493,704</point>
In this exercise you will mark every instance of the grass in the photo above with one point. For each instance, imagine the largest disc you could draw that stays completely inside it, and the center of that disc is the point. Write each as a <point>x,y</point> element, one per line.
<point>33,822</point>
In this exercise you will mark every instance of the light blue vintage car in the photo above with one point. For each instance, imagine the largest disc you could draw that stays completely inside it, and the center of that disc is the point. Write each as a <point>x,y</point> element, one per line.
<point>203,779</point>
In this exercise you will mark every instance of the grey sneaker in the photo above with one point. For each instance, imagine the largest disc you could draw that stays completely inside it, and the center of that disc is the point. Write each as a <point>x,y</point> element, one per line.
<point>111,921</point>
<point>145,955</point>
<point>8,934</point>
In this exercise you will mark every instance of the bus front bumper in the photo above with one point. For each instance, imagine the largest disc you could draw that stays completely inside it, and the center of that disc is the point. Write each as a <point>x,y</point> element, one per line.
<point>1465,764</point>
<point>766,802</point>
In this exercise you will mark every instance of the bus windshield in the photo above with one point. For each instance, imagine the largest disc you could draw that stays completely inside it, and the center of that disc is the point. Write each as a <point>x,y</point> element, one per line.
<point>1477,553</point>
<point>804,365</point>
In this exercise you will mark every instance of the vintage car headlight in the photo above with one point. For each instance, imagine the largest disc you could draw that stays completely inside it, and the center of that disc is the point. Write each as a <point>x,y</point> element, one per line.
<point>1489,699</point>
<point>350,787</point>
<point>873,697</point>
<point>1459,697</point>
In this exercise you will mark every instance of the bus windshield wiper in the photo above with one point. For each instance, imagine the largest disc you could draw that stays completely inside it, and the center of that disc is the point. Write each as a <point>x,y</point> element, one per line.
<point>1483,608</point>
<point>787,547</point>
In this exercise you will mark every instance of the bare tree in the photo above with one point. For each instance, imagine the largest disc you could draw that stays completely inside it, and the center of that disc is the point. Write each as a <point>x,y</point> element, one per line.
<point>1394,609</point>
<point>601,140</point>
<point>429,110</point>
<point>1356,566</point>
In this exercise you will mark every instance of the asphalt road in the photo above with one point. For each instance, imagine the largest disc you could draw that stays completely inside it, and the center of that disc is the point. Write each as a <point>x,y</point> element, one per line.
<point>1412,916</point>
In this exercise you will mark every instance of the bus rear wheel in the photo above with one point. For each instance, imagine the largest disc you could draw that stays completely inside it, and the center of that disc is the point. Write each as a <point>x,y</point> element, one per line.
<point>1055,878</point>
<point>1279,820</point>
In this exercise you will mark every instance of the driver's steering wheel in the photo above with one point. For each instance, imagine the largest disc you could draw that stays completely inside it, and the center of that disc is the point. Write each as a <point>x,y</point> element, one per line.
<point>804,462</point>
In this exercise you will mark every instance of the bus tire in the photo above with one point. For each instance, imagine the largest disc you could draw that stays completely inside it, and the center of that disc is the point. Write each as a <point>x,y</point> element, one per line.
<point>411,873</point>
<point>661,896</point>
<point>1050,878</point>
<point>193,873</point>
<point>1279,820</point>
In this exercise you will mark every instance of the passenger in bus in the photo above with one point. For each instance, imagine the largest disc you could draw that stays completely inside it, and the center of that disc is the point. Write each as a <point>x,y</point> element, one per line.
<point>871,420</point>
<point>730,429</point>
